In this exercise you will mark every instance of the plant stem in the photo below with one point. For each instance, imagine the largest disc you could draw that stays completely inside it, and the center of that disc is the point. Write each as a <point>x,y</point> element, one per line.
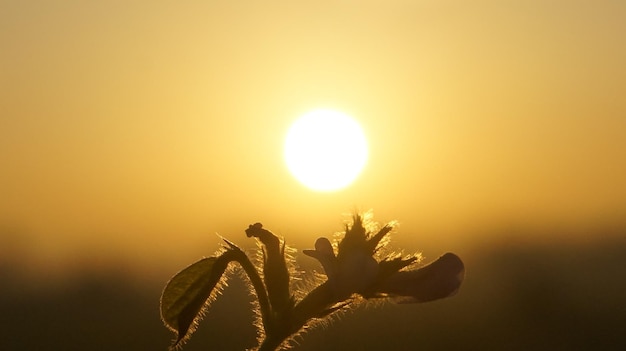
<point>259,287</point>
<point>270,344</point>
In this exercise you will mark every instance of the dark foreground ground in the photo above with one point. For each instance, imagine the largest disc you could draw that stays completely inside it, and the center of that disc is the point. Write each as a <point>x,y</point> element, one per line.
<point>519,297</point>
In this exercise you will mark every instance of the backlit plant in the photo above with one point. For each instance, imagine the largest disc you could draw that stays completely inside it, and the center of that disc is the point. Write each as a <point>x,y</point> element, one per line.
<point>358,268</point>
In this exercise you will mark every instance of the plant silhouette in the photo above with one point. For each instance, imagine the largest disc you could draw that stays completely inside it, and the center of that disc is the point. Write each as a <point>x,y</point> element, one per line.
<point>357,269</point>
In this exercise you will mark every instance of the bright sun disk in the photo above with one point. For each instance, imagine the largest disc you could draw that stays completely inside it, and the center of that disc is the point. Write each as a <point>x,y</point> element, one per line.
<point>325,150</point>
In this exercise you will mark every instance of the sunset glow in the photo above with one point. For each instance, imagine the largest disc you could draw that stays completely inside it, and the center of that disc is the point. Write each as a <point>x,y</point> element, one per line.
<point>127,126</point>
<point>136,135</point>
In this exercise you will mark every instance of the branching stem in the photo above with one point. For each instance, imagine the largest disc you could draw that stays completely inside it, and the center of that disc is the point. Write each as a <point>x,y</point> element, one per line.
<point>258,285</point>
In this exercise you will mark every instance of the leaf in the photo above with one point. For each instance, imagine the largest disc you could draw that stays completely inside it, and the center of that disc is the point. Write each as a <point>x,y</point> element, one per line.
<point>188,294</point>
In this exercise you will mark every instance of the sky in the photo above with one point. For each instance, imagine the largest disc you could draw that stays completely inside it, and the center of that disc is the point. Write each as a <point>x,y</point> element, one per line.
<point>133,131</point>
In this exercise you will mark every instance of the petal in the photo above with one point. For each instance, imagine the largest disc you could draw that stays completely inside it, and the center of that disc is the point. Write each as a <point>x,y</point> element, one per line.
<point>440,279</point>
<point>355,238</point>
<point>324,246</point>
<point>325,255</point>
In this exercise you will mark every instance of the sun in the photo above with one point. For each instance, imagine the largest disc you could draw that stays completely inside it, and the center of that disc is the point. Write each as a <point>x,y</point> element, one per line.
<point>325,150</point>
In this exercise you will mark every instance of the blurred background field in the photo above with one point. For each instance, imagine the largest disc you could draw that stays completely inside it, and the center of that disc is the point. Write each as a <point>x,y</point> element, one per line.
<point>517,296</point>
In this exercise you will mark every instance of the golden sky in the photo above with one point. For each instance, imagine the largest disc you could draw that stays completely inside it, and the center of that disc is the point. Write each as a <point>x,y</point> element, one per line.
<point>146,126</point>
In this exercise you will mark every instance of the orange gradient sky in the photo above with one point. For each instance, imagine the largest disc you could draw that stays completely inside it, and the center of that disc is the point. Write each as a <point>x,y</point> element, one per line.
<point>143,127</point>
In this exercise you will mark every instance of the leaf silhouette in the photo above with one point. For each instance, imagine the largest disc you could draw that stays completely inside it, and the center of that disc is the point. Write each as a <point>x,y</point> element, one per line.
<point>188,294</point>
